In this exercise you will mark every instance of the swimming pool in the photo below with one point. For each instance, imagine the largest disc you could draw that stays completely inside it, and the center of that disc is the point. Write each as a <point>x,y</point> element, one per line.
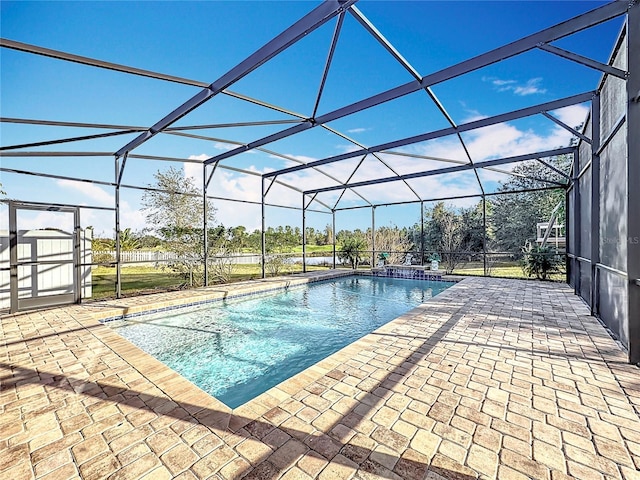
<point>238,349</point>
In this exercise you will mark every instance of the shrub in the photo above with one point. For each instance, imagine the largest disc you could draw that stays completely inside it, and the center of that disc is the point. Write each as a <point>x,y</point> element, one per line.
<point>275,263</point>
<point>221,264</point>
<point>103,258</point>
<point>539,261</point>
<point>351,250</point>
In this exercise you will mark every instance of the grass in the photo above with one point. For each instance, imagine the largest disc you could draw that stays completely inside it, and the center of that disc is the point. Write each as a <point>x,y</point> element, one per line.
<point>147,279</point>
<point>499,269</point>
<point>327,249</point>
<point>134,279</point>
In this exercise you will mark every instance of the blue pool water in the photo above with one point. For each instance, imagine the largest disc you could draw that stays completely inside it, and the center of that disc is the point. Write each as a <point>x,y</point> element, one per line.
<point>235,350</point>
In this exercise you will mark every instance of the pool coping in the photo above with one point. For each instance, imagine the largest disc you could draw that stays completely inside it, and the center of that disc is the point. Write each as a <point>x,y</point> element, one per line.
<point>180,389</point>
<point>219,293</point>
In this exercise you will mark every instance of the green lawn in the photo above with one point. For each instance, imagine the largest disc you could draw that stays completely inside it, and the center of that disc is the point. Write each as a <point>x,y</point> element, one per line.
<point>499,269</point>
<point>146,279</point>
<point>134,279</point>
<point>143,279</point>
<point>326,249</point>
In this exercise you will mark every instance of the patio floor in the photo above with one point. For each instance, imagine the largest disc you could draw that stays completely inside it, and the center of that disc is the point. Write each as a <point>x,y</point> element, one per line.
<point>493,378</point>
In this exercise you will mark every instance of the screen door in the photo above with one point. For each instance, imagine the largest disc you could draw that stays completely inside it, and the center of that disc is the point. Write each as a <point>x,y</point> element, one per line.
<point>44,244</point>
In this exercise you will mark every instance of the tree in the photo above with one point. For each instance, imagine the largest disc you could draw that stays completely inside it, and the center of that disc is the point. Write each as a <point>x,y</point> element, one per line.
<point>352,247</point>
<point>175,210</point>
<point>328,235</point>
<point>239,237</point>
<point>102,249</point>
<point>454,234</point>
<point>395,242</point>
<point>447,235</point>
<point>514,216</point>
<point>282,239</point>
<point>128,240</point>
<point>219,236</point>
<point>472,228</point>
<point>147,240</point>
<point>99,244</point>
<point>254,241</point>
<point>311,236</point>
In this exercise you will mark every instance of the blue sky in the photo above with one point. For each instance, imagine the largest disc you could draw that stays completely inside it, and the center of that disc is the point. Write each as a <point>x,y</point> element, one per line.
<point>203,40</point>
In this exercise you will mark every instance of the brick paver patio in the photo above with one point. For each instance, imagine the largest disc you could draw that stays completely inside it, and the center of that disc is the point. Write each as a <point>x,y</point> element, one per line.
<point>491,379</point>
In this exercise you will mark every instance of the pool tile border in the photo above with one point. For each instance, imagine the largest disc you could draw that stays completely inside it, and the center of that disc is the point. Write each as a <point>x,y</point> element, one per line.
<point>105,311</point>
<point>196,304</point>
<point>283,285</point>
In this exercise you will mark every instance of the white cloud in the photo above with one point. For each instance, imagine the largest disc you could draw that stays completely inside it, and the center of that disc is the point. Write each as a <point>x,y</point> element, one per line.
<point>229,184</point>
<point>102,222</point>
<point>496,141</point>
<point>239,186</point>
<point>132,218</point>
<point>236,185</point>
<point>573,115</point>
<point>194,170</point>
<point>348,148</point>
<point>287,163</point>
<point>498,82</point>
<point>90,191</point>
<point>507,139</point>
<point>224,146</point>
<point>40,220</point>
<point>202,157</point>
<point>530,87</point>
<point>453,185</point>
<point>472,116</point>
<point>490,142</point>
<point>301,158</point>
<point>499,141</point>
<point>357,130</point>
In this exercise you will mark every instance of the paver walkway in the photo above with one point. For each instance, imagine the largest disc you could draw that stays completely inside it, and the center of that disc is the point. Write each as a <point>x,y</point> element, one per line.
<point>492,379</point>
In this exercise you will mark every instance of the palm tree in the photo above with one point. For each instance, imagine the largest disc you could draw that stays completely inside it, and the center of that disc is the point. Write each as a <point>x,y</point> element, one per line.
<point>351,249</point>
<point>128,241</point>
